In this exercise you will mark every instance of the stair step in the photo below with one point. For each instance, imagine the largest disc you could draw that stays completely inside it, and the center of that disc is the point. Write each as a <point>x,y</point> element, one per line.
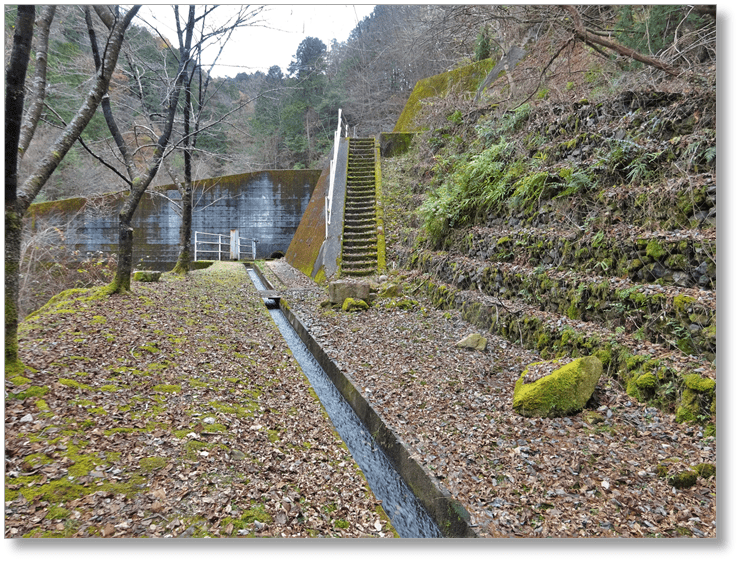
<point>368,234</point>
<point>360,223</point>
<point>360,208</point>
<point>359,260</point>
<point>359,265</point>
<point>359,244</point>
<point>365,234</point>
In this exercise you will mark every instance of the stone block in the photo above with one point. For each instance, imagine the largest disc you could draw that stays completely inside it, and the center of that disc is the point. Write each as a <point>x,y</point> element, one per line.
<point>341,290</point>
<point>473,341</point>
<point>147,276</point>
<point>563,392</point>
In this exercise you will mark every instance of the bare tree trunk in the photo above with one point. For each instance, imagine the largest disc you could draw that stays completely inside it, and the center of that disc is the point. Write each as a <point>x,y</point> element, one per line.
<point>38,87</point>
<point>18,200</point>
<point>186,230</point>
<point>15,79</point>
<point>122,279</point>
<point>186,189</point>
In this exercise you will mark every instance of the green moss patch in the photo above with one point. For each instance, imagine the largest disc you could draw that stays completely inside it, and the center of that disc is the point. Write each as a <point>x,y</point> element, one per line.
<point>354,305</point>
<point>152,464</point>
<point>561,393</point>
<point>465,79</point>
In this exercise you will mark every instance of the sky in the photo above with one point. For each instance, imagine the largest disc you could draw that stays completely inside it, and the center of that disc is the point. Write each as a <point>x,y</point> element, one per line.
<point>276,40</point>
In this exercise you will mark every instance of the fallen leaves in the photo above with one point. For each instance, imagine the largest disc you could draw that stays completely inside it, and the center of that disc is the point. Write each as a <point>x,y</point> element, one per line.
<point>561,477</point>
<point>188,417</point>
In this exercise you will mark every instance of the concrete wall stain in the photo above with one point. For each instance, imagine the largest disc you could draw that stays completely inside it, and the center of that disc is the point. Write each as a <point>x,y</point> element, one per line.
<point>266,206</point>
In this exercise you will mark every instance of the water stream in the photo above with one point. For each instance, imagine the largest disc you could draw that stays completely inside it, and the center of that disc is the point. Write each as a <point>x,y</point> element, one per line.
<point>408,516</point>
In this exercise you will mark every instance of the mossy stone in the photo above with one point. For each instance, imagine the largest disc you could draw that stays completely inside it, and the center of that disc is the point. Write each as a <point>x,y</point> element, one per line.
<point>591,417</point>
<point>354,305</point>
<point>684,479</point>
<point>147,276</point>
<point>705,469</point>
<point>390,290</point>
<point>403,304</point>
<point>696,382</point>
<point>681,303</point>
<point>677,261</point>
<point>562,393</point>
<point>473,341</point>
<point>648,381</point>
<point>655,250</point>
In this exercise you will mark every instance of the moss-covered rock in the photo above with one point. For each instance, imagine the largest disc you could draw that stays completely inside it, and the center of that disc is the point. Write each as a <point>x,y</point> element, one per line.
<point>697,398</point>
<point>147,276</point>
<point>684,479</point>
<point>642,386</point>
<point>561,393</point>
<point>705,469</point>
<point>354,305</point>
<point>697,383</point>
<point>592,417</point>
<point>404,303</point>
<point>473,341</point>
<point>390,290</point>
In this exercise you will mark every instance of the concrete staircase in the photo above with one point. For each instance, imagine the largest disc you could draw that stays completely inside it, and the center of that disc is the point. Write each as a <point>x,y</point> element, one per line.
<point>360,241</point>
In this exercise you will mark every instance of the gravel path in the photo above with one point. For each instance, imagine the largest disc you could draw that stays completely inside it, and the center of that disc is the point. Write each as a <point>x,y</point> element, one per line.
<point>565,477</point>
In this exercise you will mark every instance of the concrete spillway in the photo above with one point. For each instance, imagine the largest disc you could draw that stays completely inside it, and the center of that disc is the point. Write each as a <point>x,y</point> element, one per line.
<point>408,516</point>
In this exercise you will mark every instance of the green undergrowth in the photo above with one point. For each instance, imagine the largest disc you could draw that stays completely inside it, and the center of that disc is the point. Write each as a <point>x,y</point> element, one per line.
<point>521,165</point>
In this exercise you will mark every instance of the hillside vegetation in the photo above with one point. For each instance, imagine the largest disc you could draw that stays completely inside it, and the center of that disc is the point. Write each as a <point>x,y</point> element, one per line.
<point>575,214</point>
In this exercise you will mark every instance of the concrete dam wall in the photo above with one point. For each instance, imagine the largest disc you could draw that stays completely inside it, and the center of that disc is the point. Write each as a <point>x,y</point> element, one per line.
<point>266,206</point>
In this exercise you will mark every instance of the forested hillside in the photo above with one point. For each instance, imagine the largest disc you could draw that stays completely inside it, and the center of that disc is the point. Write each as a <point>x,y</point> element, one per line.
<point>284,118</point>
<point>564,207</point>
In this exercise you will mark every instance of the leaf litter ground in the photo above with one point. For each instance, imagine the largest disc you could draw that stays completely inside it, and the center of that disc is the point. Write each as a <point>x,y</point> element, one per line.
<point>178,411</point>
<point>174,411</point>
<point>601,473</point>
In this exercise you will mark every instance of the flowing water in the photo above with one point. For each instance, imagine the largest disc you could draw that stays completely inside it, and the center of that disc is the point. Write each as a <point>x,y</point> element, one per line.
<point>408,516</point>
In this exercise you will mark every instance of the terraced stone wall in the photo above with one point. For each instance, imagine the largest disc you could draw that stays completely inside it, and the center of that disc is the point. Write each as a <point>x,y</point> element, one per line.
<point>599,237</point>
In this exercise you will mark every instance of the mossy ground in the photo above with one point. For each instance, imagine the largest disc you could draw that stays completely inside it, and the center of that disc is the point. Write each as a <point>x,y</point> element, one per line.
<point>156,433</point>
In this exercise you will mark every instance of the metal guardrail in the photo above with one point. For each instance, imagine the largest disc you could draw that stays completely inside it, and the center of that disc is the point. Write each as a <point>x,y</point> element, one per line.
<point>333,171</point>
<point>232,242</point>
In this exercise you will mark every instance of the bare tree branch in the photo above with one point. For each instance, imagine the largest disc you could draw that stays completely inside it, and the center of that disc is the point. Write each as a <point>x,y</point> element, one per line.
<point>586,36</point>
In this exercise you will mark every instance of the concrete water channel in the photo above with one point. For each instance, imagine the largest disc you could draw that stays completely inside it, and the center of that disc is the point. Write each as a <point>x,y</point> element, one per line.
<point>406,513</point>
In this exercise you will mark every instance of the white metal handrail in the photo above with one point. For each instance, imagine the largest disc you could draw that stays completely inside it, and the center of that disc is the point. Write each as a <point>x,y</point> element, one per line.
<point>333,171</point>
<point>233,250</point>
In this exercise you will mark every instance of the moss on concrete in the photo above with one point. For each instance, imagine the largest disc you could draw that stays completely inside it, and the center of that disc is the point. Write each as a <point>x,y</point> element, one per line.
<point>465,79</point>
<point>306,244</point>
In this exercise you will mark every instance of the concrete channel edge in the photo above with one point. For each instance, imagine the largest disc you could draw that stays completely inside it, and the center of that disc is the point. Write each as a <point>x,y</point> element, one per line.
<point>451,517</point>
